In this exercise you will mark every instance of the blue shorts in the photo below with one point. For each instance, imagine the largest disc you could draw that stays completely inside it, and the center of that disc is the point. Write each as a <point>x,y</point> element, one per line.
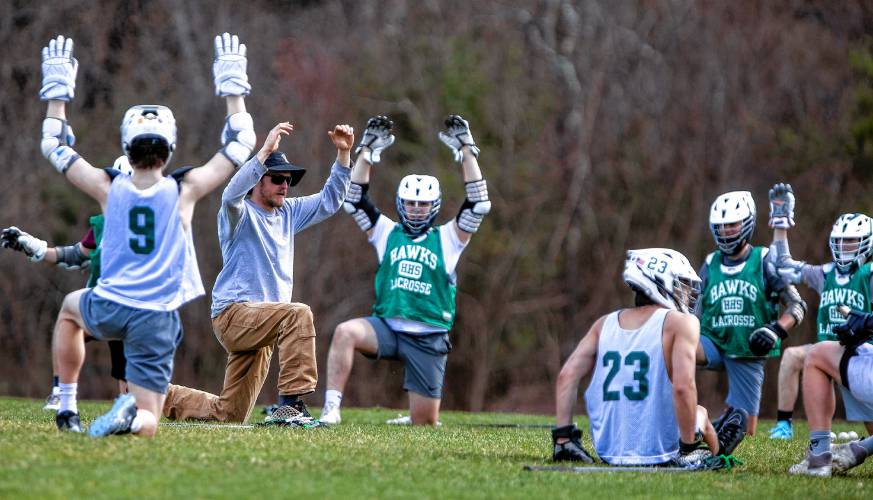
<point>745,376</point>
<point>424,356</point>
<point>149,337</point>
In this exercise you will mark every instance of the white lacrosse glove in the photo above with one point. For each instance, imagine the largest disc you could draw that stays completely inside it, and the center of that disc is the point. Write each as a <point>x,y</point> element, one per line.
<point>377,137</point>
<point>16,239</point>
<point>58,70</point>
<point>781,206</point>
<point>458,135</point>
<point>229,67</point>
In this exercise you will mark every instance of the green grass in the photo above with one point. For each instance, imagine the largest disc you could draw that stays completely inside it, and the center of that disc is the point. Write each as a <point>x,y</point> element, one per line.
<point>363,458</point>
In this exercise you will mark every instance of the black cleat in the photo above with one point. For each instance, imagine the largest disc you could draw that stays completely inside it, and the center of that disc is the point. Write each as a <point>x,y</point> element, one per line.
<point>300,406</point>
<point>68,421</point>
<point>732,430</point>
<point>571,450</point>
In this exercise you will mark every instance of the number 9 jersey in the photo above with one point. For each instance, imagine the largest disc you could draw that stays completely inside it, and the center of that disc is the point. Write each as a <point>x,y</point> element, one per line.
<point>630,397</point>
<point>148,259</point>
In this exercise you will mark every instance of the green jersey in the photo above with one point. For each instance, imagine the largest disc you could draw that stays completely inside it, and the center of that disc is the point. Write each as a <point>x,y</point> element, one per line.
<point>412,282</point>
<point>96,222</point>
<point>735,303</point>
<point>854,291</point>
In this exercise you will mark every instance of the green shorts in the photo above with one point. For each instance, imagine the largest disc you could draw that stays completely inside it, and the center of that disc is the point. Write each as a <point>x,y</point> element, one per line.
<point>424,356</point>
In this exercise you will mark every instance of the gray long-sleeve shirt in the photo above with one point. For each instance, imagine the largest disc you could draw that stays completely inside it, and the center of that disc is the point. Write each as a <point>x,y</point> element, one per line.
<point>257,246</point>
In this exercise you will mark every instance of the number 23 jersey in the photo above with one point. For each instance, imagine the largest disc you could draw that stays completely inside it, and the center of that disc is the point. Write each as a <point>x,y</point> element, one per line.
<point>148,259</point>
<point>630,397</point>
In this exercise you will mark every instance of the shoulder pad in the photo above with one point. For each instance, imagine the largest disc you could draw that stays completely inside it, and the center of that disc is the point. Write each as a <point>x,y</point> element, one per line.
<point>826,268</point>
<point>709,258</point>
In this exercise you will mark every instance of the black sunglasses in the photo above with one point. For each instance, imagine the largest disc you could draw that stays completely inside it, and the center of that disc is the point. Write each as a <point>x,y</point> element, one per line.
<point>280,179</point>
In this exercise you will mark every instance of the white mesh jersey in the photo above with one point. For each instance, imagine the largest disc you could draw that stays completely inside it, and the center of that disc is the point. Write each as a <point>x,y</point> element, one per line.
<point>148,259</point>
<point>630,398</point>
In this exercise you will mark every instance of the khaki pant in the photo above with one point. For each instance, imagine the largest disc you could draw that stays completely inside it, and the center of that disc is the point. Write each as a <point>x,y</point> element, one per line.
<point>248,331</point>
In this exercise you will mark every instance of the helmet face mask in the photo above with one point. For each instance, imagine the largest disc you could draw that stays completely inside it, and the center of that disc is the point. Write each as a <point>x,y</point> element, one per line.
<point>665,276</point>
<point>418,203</point>
<point>732,221</point>
<point>851,241</point>
<point>148,130</point>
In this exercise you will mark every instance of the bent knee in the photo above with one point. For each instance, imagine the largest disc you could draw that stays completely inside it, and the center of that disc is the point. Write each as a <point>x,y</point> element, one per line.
<point>794,357</point>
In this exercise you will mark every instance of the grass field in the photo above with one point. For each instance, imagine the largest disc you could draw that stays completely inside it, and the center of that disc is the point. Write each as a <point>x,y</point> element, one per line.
<point>363,458</point>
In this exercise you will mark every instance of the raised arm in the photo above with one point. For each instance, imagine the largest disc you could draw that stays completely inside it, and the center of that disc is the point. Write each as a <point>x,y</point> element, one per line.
<point>476,205</point>
<point>59,69</point>
<point>376,138</point>
<point>312,209</point>
<point>238,136</point>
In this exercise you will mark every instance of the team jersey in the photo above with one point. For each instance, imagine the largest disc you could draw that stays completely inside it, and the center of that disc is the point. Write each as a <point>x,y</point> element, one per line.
<point>838,289</point>
<point>735,303</point>
<point>96,222</point>
<point>148,259</point>
<point>415,282</point>
<point>630,397</point>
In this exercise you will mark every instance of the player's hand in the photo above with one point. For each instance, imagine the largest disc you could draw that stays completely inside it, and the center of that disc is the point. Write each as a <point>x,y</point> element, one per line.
<point>229,67</point>
<point>16,239</point>
<point>271,143</point>
<point>343,137</point>
<point>857,329</point>
<point>377,138</point>
<point>59,70</point>
<point>571,449</point>
<point>781,206</point>
<point>457,136</point>
<point>764,338</point>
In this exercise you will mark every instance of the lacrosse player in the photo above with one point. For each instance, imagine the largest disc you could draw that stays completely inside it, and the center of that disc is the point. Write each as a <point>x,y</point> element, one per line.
<point>149,268</point>
<point>415,281</point>
<point>845,281</point>
<point>739,307</point>
<point>848,362</point>
<point>642,399</point>
<point>251,303</point>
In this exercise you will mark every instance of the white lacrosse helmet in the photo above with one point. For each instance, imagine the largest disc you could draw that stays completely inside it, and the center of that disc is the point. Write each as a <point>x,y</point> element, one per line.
<point>418,188</point>
<point>859,229</point>
<point>730,208</point>
<point>122,164</point>
<point>148,121</point>
<point>663,275</point>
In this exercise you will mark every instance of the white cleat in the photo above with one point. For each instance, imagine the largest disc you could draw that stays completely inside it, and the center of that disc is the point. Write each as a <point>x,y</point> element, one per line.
<point>813,465</point>
<point>53,402</point>
<point>844,457</point>
<point>405,420</point>
<point>330,414</point>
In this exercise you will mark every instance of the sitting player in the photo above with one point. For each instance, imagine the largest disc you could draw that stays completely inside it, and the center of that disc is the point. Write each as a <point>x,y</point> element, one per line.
<point>848,362</point>
<point>642,399</point>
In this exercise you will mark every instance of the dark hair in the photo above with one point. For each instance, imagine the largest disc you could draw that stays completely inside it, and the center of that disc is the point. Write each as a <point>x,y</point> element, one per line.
<point>641,299</point>
<point>148,152</point>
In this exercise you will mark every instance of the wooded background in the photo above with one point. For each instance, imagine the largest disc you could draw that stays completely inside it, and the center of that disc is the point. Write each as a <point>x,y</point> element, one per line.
<point>604,126</point>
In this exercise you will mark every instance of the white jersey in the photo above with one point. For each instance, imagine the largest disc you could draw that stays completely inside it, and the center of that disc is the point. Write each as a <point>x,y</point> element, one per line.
<point>148,259</point>
<point>630,398</point>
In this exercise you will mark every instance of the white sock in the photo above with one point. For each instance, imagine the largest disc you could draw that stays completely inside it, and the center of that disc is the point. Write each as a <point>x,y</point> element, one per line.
<point>67,392</point>
<point>332,396</point>
<point>56,390</point>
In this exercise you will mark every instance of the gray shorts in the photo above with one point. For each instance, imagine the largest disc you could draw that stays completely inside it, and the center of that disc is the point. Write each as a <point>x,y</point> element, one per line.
<point>745,376</point>
<point>424,356</point>
<point>149,337</point>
